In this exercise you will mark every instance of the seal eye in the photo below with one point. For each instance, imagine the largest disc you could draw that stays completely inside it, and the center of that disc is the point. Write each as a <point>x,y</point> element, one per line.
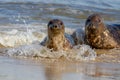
<point>88,20</point>
<point>61,23</point>
<point>50,23</point>
<point>99,21</point>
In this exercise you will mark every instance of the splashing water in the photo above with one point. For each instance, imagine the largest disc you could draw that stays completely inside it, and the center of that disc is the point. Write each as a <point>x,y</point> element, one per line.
<point>19,42</point>
<point>27,44</point>
<point>85,52</point>
<point>81,52</point>
<point>15,38</point>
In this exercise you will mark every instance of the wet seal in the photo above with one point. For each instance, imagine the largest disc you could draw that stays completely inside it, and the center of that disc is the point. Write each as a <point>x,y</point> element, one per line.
<point>99,35</point>
<point>57,39</point>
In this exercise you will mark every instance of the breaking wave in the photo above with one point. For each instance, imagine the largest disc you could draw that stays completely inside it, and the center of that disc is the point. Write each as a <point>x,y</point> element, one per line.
<point>26,43</point>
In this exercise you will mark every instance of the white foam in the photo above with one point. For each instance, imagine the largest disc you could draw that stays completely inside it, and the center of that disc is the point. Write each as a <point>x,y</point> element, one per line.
<point>14,35</point>
<point>26,43</point>
<point>85,52</point>
<point>80,52</point>
<point>15,38</point>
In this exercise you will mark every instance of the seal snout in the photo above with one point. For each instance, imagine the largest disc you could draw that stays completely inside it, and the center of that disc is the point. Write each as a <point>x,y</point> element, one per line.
<point>55,26</point>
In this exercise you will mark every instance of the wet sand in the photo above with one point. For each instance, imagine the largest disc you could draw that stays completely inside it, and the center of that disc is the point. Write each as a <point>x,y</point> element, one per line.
<point>52,69</point>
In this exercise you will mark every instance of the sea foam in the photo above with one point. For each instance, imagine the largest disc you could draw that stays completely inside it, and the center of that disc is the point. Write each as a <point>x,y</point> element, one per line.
<point>17,42</point>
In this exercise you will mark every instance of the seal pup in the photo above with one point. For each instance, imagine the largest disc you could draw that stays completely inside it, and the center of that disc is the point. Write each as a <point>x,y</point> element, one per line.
<point>57,39</point>
<point>99,35</point>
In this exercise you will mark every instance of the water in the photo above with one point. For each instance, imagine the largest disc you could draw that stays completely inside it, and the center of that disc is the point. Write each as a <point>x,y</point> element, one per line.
<point>23,25</point>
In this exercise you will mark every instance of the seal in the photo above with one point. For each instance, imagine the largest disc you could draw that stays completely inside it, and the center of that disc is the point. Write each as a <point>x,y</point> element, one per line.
<point>57,39</point>
<point>99,35</point>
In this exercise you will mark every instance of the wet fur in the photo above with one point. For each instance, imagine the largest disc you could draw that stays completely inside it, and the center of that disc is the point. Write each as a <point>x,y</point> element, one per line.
<point>57,41</point>
<point>105,37</point>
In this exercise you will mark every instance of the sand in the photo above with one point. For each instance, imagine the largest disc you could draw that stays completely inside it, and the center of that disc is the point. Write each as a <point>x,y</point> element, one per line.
<point>12,68</point>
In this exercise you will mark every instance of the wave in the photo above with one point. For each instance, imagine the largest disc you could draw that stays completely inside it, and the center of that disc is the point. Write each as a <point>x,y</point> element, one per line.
<point>78,53</point>
<point>26,43</point>
<point>15,38</point>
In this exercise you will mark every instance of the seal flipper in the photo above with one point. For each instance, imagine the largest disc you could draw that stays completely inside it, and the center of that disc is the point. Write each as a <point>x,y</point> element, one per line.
<point>69,39</point>
<point>43,43</point>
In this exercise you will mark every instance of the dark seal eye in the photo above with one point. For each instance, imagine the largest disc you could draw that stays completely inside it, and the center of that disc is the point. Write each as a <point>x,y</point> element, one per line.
<point>61,23</point>
<point>99,21</point>
<point>50,22</point>
<point>88,20</point>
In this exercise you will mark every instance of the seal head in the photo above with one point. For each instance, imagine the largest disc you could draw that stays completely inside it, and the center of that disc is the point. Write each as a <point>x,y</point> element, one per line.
<point>55,27</point>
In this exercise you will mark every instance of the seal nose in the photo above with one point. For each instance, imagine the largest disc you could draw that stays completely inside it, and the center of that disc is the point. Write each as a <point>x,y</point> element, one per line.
<point>55,26</point>
<point>92,26</point>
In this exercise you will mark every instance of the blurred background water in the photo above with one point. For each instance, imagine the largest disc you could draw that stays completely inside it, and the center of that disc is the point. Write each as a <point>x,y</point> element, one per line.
<point>72,12</point>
